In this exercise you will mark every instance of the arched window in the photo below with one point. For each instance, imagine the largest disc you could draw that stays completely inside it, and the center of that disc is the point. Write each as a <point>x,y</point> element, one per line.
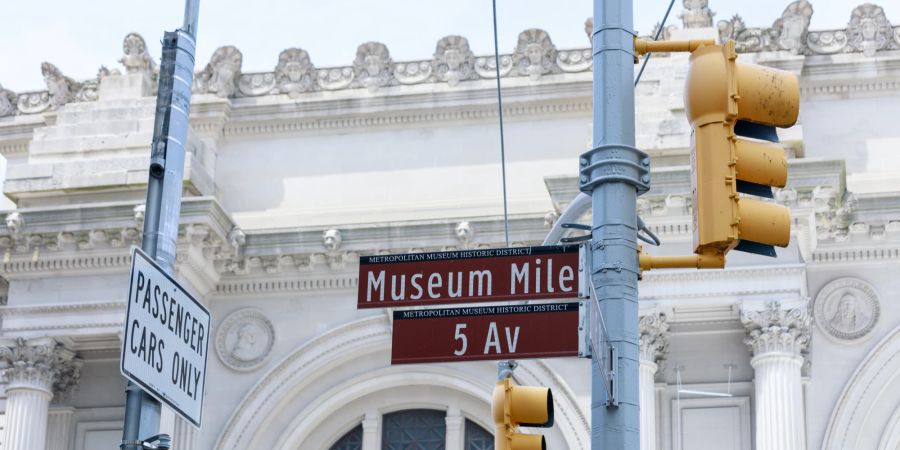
<point>417,429</point>
<point>350,441</point>
<point>477,438</point>
<point>414,429</point>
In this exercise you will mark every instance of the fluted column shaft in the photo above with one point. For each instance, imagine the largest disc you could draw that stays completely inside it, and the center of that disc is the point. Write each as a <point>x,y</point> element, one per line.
<point>648,405</point>
<point>26,417</point>
<point>779,402</point>
<point>654,344</point>
<point>35,369</point>
<point>777,337</point>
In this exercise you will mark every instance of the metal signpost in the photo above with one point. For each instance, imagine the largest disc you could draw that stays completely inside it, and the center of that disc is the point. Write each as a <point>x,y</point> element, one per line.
<point>468,276</point>
<point>166,339</point>
<point>163,207</point>
<point>614,172</point>
<point>540,330</point>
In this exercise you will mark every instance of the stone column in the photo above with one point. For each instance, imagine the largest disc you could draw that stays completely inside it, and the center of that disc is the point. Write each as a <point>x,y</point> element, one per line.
<point>35,369</point>
<point>654,343</point>
<point>455,430</point>
<point>777,337</point>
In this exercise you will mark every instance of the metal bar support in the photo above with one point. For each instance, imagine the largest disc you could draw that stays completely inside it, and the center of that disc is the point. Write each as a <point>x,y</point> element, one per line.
<point>642,46</point>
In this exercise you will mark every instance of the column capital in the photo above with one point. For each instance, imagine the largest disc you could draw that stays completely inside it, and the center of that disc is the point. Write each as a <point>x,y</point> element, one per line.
<point>39,363</point>
<point>777,328</point>
<point>654,341</point>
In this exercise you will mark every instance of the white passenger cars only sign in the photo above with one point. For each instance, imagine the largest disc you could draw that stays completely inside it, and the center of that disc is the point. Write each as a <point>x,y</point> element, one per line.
<point>166,339</point>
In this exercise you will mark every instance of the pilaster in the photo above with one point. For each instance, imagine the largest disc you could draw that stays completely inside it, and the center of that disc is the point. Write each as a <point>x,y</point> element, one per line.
<point>370,425</point>
<point>455,437</point>
<point>778,336</point>
<point>654,344</point>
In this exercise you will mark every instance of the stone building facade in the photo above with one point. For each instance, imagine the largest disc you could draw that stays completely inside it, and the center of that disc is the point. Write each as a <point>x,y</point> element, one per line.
<point>293,173</point>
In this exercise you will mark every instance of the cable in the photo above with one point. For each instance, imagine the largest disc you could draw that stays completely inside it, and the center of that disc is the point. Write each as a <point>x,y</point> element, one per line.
<point>662,26</point>
<point>500,109</point>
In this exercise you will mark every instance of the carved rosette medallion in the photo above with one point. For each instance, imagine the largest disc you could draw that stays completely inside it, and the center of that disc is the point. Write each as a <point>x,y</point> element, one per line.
<point>244,340</point>
<point>847,309</point>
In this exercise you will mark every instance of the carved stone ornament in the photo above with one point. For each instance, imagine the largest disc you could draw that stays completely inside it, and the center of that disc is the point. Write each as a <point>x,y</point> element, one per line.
<point>789,32</point>
<point>15,223</point>
<point>40,364</point>
<point>221,75</point>
<point>7,102</point>
<point>869,30</point>
<point>847,309</point>
<point>135,57</point>
<point>453,60</point>
<point>535,54</point>
<point>777,329</point>
<point>295,73</point>
<point>464,233</point>
<point>331,239</point>
<point>244,340</point>
<point>373,66</point>
<point>61,88</point>
<point>735,30</point>
<point>654,341</point>
<point>697,14</point>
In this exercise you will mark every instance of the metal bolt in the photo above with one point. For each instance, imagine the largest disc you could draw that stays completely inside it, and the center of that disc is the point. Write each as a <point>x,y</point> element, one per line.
<point>645,178</point>
<point>583,161</point>
<point>584,178</point>
<point>645,162</point>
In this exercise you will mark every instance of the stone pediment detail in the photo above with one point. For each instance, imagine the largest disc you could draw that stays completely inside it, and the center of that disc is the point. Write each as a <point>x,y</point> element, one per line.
<point>868,32</point>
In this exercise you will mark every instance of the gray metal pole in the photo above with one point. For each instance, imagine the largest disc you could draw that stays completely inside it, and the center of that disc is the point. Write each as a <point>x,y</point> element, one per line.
<point>164,186</point>
<point>614,173</point>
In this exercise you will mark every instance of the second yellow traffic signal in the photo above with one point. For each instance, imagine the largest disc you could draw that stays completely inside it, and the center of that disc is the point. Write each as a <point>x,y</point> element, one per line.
<point>515,406</point>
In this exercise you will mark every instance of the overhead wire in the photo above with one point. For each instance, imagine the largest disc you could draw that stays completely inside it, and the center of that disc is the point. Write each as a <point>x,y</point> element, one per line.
<point>662,26</point>
<point>502,143</point>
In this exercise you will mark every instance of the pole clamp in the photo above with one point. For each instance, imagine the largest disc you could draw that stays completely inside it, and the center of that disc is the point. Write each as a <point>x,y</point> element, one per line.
<point>614,163</point>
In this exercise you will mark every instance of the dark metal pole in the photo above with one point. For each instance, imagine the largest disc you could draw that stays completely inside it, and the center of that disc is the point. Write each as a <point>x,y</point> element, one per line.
<point>163,206</point>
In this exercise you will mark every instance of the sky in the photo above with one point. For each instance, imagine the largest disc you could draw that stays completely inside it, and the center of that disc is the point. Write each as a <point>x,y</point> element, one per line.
<point>79,37</point>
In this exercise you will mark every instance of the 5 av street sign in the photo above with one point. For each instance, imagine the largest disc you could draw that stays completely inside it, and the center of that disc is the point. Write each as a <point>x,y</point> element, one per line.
<point>468,276</point>
<point>487,332</point>
<point>166,339</point>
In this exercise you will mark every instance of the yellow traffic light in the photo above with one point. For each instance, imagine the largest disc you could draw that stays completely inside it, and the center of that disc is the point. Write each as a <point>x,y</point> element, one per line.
<point>515,406</point>
<point>727,103</point>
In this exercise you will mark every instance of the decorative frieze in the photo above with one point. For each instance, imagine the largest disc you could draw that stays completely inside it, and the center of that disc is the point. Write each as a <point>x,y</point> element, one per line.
<point>868,32</point>
<point>777,329</point>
